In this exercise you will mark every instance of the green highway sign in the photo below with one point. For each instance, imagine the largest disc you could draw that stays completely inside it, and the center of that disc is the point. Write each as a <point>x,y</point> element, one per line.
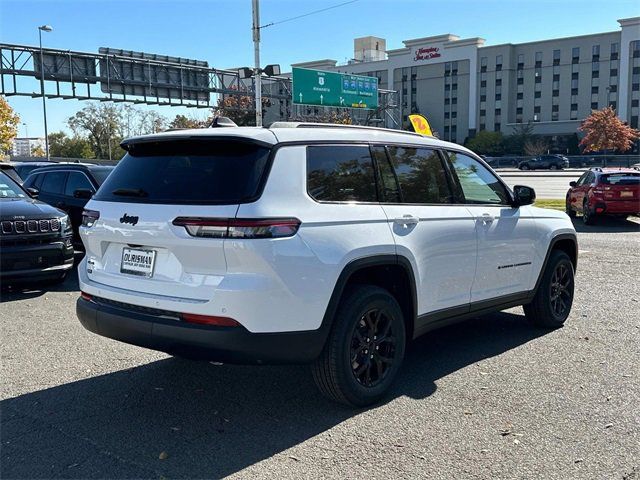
<point>331,89</point>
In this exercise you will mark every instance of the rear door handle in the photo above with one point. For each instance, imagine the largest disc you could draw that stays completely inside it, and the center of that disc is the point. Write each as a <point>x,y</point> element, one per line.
<point>486,218</point>
<point>406,220</point>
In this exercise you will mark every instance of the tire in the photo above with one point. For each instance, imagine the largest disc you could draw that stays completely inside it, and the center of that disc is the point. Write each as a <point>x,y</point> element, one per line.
<point>344,366</point>
<point>524,167</point>
<point>570,211</point>
<point>588,218</point>
<point>553,300</point>
<point>553,167</point>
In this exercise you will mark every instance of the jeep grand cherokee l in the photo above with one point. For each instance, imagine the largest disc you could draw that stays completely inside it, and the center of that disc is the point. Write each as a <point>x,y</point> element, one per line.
<point>35,238</point>
<point>329,245</point>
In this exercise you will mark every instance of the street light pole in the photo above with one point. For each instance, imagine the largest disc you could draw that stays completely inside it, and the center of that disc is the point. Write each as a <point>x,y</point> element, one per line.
<point>44,28</point>
<point>256,52</point>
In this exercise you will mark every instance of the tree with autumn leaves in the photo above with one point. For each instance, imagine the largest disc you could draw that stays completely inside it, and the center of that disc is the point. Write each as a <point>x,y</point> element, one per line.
<point>604,131</point>
<point>9,121</point>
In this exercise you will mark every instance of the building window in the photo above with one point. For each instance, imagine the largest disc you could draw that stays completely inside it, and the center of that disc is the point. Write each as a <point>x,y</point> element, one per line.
<point>634,121</point>
<point>446,115</point>
<point>447,101</point>
<point>574,76</point>
<point>454,114</point>
<point>483,64</point>
<point>483,113</point>
<point>574,91</point>
<point>556,77</point>
<point>483,98</point>
<point>520,96</point>
<point>554,116</point>
<point>538,59</point>
<point>483,126</point>
<point>613,72</point>
<point>447,87</point>
<point>454,101</point>
<point>454,86</point>
<point>520,61</point>
<point>483,83</point>
<point>519,111</point>
<point>496,127</point>
<point>556,57</point>
<point>538,79</point>
<point>555,108</point>
<point>575,55</point>
<point>635,87</point>
<point>594,105</point>
<point>595,53</point>
<point>635,103</point>
<point>537,94</point>
<point>615,47</point>
<point>497,112</point>
<point>498,96</point>
<point>613,88</point>
<point>612,105</point>
<point>594,90</point>
<point>635,47</point>
<point>595,74</point>
<point>574,106</point>
<point>555,93</point>
<point>636,70</point>
<point>498,82</point>
<point>536,109</point>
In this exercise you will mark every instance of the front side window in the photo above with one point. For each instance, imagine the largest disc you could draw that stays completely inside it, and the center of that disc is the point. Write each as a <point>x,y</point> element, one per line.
<point>9,188</point>
<point>337,173</point>
<point>77,181</point>
<point>53,182</point>
<point>421,175</point>
<point>478,184</point>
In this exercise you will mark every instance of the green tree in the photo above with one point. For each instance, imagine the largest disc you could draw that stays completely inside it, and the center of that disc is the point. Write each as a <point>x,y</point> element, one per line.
<point>486,143</point>
<point>38,151</point>
<point>521,134</point>
<point>60,145</point>
<point>9,121</point>
<point>182,121</point>
<point>102,124</point>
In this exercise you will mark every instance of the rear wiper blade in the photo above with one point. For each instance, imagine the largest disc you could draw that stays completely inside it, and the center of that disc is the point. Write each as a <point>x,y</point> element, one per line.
<point>130,192</point>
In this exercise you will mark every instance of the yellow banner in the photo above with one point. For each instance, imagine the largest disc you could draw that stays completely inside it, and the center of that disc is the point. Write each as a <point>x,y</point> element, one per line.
<point>420,125</point>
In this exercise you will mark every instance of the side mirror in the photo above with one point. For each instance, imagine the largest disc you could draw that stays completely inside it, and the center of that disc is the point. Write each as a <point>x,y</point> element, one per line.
<point>83,193</point>
<point>523,195</point>
<point>573,184</point>
<point>34,192</point>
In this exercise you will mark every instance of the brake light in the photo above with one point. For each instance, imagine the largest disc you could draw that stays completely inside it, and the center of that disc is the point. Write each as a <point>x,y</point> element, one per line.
<point>239,227</point>
<point>89,217</point>
<point>209,320</point>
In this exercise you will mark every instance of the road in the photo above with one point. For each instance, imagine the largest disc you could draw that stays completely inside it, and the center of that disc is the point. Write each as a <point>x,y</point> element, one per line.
<point>490,398</point>
<point>547,184</point>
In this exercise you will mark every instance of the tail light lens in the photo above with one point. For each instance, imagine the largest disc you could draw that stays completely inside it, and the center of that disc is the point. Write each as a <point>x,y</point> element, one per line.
<point>86,296</point>
<point>89,217</point>
<point>209,320</point>
<point>239,227</point>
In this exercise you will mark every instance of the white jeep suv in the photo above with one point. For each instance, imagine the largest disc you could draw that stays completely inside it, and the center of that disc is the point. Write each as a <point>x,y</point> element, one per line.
<point>308,243</point>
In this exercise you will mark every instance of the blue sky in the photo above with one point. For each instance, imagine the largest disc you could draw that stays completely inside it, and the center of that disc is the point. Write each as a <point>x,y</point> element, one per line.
<point>219,31</point>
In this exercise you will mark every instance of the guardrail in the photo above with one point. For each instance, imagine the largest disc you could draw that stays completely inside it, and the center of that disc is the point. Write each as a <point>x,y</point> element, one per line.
<point>575,161</point>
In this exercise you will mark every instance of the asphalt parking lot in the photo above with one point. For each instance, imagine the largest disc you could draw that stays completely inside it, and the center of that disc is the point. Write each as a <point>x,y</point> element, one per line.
<point>489,398</point>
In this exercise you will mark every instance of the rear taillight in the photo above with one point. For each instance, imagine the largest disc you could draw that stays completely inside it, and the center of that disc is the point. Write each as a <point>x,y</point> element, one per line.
<point>89,217</point>
<point>209,320</point>
<point>239,227</point>
<point>86,296</point>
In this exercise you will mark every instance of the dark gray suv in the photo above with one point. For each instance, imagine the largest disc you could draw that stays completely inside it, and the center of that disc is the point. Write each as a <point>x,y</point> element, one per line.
<point>548,162</point>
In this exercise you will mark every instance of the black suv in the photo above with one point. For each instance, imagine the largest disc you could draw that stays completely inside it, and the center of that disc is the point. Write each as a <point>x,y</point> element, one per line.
<point>68,187</point>
<point>35,238</point>
<point>550,162</point>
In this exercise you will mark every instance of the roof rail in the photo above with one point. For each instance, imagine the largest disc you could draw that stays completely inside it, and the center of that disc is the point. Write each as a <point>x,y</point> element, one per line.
<point>339,125</point>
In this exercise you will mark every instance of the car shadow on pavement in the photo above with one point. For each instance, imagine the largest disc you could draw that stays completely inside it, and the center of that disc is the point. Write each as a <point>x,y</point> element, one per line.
<point>608,225</point>
<point>33,289</point>
<point>210,420</point>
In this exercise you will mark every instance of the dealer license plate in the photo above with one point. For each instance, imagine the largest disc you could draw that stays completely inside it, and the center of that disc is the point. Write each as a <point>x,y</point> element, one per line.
<point>139,262</point>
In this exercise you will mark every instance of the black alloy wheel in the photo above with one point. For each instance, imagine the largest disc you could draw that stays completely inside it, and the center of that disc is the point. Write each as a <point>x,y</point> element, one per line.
<point>373,347</point>
<point>561,290</point>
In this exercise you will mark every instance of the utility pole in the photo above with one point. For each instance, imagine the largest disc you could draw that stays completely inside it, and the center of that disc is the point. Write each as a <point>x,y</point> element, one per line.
<point>44,28</point>
<point>256,50</point>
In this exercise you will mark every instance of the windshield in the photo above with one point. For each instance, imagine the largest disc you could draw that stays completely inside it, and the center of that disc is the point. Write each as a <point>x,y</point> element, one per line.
<point>9,188</point>
<point>100,173</point>
<point>187,172</point>
<point>621,179</point>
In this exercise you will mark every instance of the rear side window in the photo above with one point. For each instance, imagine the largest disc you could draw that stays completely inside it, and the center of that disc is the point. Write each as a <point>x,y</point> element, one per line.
<point>77,181</point>
<point>337,173</point>
<point>196,172</point>
<point>421,175</point>
<point>53,182</point>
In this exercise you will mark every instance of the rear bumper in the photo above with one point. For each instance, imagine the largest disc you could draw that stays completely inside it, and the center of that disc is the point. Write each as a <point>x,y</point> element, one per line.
<point>29,262</point>
<point>224,344</point>
<point>617,207</point>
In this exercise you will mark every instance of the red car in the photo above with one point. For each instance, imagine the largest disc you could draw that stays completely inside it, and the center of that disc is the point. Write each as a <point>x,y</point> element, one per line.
<point>604,191</point>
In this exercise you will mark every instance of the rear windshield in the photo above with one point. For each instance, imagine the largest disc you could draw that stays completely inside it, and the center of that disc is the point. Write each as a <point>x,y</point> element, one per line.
<point>621,179</point>
<point>9,188</point>
<point>187,172</point>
